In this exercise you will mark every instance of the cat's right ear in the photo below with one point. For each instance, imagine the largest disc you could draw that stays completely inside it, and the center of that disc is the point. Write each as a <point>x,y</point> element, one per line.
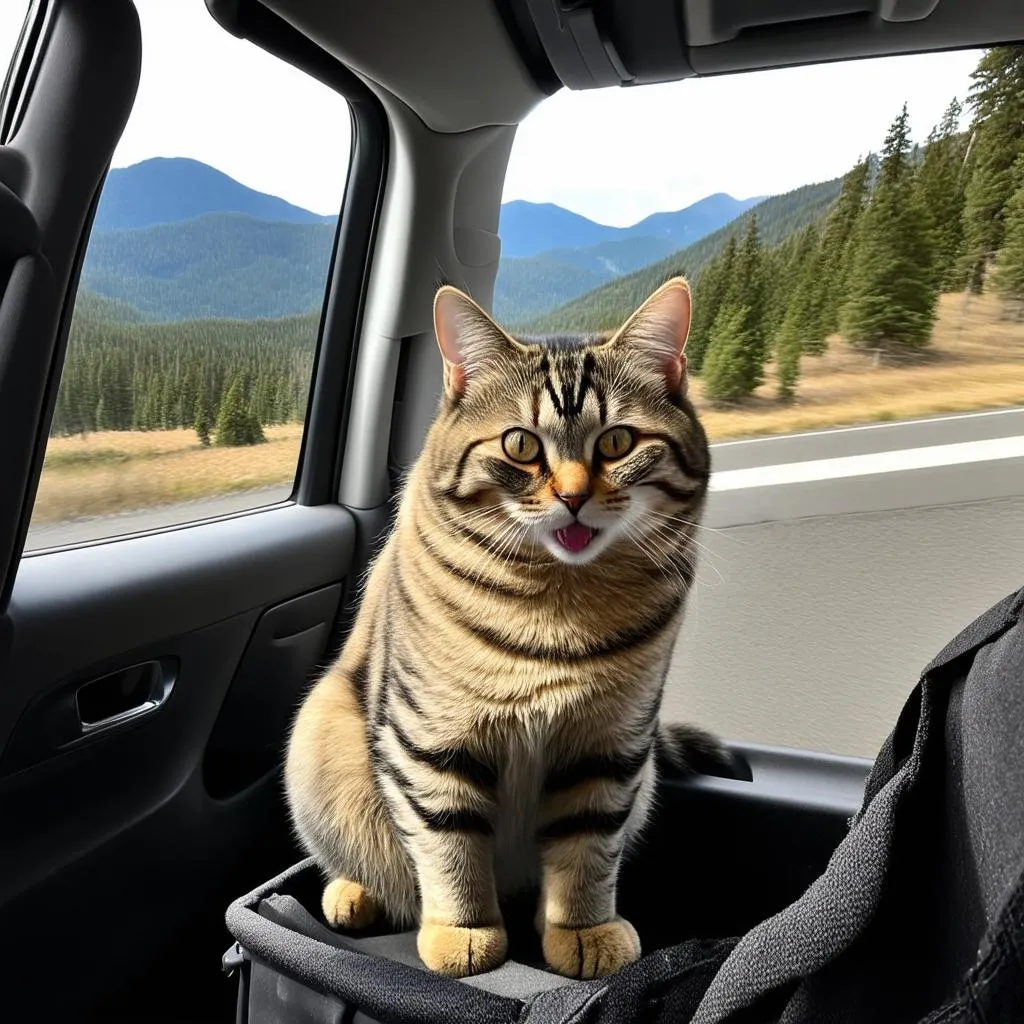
<point>467,336</point>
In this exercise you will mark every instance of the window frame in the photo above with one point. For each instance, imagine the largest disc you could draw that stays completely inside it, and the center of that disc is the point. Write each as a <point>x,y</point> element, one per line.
<point>19,75</point>
<point>318,466</point>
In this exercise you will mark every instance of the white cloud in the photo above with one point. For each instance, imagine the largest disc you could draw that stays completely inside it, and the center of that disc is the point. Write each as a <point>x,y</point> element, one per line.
<point>613,155</point>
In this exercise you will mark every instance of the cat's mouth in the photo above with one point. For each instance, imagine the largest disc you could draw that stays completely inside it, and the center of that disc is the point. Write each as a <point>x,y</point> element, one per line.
<point>575,537</point>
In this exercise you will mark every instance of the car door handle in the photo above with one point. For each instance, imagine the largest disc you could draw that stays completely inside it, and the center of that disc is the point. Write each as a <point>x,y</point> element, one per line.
<point>76,712</point>
<point>123,696</point>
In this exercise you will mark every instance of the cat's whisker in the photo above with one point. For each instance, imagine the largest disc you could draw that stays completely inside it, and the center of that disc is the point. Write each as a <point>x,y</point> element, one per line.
<point>717,531</point>
<point>690,538</point>
<point>641,544</point>
<point>659,529</point>
<point>665,536</point>
<point>490,552</point>
<point>692,563</point>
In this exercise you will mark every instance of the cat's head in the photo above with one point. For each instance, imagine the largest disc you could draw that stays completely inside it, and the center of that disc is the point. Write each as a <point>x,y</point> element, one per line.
<point>569,444</point>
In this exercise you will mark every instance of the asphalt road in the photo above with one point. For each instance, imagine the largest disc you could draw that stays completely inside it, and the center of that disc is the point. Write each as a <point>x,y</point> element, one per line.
<point>834,565</point>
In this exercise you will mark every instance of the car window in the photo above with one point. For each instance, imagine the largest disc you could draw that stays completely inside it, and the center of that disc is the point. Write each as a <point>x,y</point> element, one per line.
<point>195,327</point>
<point>854,236</point>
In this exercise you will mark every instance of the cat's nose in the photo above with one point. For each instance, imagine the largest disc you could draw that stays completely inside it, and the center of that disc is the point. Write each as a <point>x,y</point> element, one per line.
<point>574,502</point>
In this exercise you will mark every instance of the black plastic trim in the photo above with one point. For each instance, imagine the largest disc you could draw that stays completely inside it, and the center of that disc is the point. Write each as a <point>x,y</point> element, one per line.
<point>57,201</point>
<point>323,441</point>
<point>21,69</point>
<point>515,16</point>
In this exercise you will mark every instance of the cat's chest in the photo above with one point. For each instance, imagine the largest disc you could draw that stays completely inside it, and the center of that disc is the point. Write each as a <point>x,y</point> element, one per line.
<point>521,782</point>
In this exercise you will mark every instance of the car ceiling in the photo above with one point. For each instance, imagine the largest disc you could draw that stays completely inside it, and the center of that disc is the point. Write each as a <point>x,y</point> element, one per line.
<point>463,64</point>
<point>451,61</point>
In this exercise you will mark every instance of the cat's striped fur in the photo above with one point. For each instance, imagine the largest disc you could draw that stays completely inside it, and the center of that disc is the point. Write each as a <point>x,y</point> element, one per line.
<point>492,719</point>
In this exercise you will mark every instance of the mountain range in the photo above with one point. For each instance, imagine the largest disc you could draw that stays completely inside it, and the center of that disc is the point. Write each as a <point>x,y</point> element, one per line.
<point>608,305</point>
<point>166,190</point>
<point>177,239</point>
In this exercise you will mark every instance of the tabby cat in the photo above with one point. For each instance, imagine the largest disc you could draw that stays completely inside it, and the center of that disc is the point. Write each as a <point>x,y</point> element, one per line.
<point>492,720</point>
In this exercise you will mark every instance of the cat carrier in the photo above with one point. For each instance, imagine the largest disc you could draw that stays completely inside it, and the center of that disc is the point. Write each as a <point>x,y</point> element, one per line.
<point>917,916</point>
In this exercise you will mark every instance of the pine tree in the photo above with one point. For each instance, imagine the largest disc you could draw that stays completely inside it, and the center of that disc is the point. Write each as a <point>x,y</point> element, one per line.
<point>1008,275</point>
<point>892,291</point>
<point>807,295</point>
<point>940,182</point>
<point>237,421</point>
<point>254,430</point>
<point>733,367</point>
<point>782,268</point>
<point>816,314</point>
<point>202,423</point>
<point>997,136</point>
<point>747,290</point>
<point>169,412</point>
<point>837,251</point>
<point>788,346</point>
<point>233,426</point>
<point>708,296</point>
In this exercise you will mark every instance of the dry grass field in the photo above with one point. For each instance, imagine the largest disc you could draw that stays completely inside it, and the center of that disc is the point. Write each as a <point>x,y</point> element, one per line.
<point>976,361</point>
<point>117,471</point>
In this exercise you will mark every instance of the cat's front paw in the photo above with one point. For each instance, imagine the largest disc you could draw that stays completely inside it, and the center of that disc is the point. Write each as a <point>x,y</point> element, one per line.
<point>459,952</point>
<point>348,905</point>
<point>594,952</point>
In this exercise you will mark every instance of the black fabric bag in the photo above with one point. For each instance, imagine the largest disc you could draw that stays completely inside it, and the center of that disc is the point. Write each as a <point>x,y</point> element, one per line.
<point>918,917</point>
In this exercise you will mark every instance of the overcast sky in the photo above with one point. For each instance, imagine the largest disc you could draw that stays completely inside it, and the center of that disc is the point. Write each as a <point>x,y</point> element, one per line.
<point>612,155</point>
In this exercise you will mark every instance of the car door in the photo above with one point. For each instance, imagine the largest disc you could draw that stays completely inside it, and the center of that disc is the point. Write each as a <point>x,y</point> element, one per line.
<point>147,678</point>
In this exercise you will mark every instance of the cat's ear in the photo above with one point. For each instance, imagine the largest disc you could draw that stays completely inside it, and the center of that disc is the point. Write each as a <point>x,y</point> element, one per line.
<point>467,336</point>
<point>658,330</point>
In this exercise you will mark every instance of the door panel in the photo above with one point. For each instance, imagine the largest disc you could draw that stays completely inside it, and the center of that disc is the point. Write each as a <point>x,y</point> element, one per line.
<point>134,811</point>
<point>151,817</point>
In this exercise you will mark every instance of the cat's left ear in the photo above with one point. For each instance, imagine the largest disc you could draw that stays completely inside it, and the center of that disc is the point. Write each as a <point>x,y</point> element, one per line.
<point>658,330</point>
<point>468,338</point>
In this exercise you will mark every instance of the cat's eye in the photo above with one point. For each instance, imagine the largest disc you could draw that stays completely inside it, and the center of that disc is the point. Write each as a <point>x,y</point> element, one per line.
<point>521,445</point>
<point>615,443</point>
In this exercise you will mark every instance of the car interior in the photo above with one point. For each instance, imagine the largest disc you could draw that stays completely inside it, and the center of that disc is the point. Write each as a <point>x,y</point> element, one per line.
<point>147,682</point>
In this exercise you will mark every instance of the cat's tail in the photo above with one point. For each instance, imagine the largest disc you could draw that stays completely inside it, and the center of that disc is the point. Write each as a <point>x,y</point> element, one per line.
<point>686,750</point>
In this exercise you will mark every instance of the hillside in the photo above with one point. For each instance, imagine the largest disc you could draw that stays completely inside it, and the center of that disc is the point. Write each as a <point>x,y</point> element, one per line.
<point>550,255</point>
<point>531,285</point>
<point>608,305</point>
<point>165,190</point>
<point>98,309</point>
<point>154,376</point>
<point>175,239</point>
<point>217,265</point>
<point>531,229</point>
<point>527,229</point>
<point>701,218</point>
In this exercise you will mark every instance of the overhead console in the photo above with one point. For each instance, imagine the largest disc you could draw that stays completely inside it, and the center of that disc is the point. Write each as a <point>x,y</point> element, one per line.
<point>590,44</point>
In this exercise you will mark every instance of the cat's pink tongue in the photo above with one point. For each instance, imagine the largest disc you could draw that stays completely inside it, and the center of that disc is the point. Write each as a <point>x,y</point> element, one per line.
<point>574,537</point>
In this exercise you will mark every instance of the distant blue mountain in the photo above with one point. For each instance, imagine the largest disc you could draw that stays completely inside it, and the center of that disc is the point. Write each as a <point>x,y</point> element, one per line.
<point>166,190</point>
<point>528,229</point>
<point>176,239</point>
<point>688,225</point>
